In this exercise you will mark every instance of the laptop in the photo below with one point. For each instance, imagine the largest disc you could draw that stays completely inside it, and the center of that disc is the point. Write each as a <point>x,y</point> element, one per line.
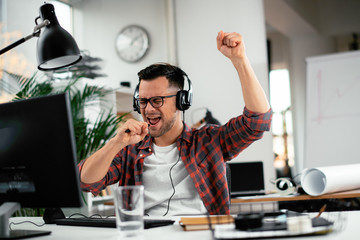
<point>247,179</point>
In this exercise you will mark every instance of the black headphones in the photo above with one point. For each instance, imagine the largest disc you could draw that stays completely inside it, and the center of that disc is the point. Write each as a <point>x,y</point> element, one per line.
<point>285,186</point>
<point>183,97</point>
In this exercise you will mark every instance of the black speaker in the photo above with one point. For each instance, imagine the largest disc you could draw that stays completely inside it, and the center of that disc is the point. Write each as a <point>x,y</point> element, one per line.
<point>183,97</point>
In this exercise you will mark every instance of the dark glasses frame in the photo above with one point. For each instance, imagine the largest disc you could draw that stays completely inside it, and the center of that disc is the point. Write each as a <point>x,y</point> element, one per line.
<point>154,101</point>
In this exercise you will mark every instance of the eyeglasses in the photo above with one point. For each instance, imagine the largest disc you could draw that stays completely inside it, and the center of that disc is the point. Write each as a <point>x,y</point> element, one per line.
<point>156,102</point>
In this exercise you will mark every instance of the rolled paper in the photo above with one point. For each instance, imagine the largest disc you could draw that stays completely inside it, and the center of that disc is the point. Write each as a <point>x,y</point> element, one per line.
<point>321,180</point>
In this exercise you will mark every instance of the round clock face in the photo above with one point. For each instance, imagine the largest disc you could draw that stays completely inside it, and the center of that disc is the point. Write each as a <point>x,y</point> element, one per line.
<point>132,43</point>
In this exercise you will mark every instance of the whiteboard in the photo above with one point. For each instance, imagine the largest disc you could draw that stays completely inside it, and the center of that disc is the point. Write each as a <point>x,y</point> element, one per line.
<point>332,128</point>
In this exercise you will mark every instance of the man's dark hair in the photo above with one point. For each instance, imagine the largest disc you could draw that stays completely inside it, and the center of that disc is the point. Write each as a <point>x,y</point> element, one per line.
<point>174,74</point>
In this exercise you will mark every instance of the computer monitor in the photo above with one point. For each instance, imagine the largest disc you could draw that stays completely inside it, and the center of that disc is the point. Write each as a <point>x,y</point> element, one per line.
<point>37,157</point>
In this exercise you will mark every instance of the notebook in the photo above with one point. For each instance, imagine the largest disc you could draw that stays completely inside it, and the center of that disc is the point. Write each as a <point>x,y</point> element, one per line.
<point>247,178</point>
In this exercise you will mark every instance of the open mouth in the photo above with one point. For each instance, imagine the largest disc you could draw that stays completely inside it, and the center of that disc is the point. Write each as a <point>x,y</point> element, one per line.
<point>154,120</point>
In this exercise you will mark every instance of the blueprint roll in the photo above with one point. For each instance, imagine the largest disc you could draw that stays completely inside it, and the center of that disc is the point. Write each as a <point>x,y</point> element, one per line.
<point>321,180</point>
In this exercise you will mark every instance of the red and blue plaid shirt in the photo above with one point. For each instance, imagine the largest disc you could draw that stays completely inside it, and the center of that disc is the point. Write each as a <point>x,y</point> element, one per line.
<point>204,152</point>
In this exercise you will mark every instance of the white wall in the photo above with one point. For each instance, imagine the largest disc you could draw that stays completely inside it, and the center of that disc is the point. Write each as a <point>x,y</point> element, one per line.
<point>311,28</point>
<point>103,20</point>
<point>300,49</point>
<point>291,53</point>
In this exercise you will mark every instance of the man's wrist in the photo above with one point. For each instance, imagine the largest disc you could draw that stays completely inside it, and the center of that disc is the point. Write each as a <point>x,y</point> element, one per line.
<point>117,142</point>
<point>236,61</point>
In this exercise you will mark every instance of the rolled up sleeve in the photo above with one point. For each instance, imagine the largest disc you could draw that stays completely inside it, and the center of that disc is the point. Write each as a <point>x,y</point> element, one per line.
<point>95,188</point>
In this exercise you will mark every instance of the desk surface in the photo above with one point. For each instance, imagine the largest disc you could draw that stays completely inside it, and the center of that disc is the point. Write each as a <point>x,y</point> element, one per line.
<point>274,198</point>
<point>173,232</point>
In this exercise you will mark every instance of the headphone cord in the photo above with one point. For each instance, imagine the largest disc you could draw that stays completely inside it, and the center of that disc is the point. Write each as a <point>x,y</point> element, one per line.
<point>172,185</point>
<point>171,180</point>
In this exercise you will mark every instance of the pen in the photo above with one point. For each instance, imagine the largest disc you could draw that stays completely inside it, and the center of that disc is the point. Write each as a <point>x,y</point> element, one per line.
<point>322,209</point>
<point>128,130</point>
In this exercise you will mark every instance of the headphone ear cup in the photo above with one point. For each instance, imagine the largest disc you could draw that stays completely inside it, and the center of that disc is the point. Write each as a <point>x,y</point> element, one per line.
<point>181,100</point>
<point>136,106</point>
<point>285,186</point>
<point>178,100</point>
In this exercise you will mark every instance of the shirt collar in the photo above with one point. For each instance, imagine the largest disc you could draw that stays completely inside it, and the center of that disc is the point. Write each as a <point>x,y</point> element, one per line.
<point>187,133</point>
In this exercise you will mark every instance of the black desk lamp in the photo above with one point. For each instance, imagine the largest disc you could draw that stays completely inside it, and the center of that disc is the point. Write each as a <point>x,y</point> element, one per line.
<point>56,48</point>
<point>208,119</point>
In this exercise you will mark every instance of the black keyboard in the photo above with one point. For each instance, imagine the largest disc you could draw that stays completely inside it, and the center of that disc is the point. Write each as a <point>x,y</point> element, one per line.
<point>109,222</point>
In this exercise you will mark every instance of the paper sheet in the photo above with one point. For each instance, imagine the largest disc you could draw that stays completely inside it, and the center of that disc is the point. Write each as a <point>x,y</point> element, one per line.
<point>321,180</point>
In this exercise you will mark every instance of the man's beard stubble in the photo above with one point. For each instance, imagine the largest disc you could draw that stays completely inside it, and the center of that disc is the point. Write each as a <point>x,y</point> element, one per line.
<point>164,129</point>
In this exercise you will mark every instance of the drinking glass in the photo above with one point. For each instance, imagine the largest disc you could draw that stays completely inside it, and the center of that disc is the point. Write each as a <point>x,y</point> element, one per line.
<point>129,210</point>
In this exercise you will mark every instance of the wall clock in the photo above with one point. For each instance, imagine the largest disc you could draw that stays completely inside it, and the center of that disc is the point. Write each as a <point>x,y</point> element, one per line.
<point>132,43</point>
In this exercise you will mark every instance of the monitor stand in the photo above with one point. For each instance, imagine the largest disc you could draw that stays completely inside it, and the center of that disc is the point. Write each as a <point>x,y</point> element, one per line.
<point>6,211</point>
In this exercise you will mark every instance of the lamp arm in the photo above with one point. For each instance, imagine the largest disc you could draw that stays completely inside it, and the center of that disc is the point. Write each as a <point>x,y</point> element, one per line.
<point>36,33</point>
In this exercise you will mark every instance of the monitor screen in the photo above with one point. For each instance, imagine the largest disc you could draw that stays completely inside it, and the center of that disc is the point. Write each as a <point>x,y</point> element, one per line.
<point>247,178</point>
<point>38,153</point>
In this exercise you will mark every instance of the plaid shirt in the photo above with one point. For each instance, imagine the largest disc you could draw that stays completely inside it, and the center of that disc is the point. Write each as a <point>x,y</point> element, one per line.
<point>204,153</point>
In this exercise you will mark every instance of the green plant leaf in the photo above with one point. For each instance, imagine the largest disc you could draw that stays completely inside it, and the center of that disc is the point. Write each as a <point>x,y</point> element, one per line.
<point>29,87</point>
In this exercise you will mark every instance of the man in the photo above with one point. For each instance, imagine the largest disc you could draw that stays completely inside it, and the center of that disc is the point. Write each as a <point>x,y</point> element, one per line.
<point>183,170</point>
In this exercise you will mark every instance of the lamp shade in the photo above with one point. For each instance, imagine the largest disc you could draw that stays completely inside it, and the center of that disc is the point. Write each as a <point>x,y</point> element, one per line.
<point>210,119</point>
<point>56,48</point>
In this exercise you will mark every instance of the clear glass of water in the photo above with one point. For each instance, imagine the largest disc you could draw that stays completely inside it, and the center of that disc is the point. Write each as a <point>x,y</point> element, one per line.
<point>129,210</point>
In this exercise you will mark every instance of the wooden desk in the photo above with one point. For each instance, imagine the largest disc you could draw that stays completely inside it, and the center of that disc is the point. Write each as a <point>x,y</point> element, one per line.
<point>338,195</point>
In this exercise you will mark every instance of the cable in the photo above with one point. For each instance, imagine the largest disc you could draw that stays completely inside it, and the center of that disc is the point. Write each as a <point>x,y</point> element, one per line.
<point>97,216</point>
<point>210,225</point>
<point>78,214</point>
<point>13,223</point>
<point>172,184</point>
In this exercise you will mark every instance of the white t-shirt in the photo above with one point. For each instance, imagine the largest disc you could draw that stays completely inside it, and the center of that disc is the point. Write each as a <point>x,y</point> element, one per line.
<point>158,188</point>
